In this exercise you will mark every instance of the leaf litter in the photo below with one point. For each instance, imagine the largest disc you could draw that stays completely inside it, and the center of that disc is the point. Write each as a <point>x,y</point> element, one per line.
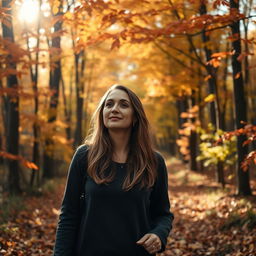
<point>208,220</point>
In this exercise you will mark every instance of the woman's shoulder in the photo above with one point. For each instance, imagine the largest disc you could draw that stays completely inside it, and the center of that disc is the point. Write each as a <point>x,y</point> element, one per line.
<point>159,157</point>
<point>161,166</point>
<point>82,150</point>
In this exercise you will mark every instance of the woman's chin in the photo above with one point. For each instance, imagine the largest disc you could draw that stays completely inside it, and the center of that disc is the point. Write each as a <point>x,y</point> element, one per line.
<point>118,127</point>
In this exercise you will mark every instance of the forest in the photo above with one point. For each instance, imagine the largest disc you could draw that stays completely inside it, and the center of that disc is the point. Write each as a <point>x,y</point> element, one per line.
<point>192,63</point>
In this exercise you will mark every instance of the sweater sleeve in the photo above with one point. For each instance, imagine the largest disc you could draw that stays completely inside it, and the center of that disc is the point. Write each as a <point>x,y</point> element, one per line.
<point>68,224</point>
<point>160,206</point>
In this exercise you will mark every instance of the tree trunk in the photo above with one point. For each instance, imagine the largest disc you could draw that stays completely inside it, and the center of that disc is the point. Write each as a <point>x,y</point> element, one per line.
<point>55,77</point>
<point>1,146</point>
<point>12,112</point>
<point>66,110</point>
<point>193,138</point>
<point>89,91</point>
<point>247,83</point>
<point>79,68</point>
<point>243,180</point>
<point>220,174</point>
<point>171,141</point>
<point>3,107</point>
<point>182,106</point>
<point>225,92</point>
<point>213,88</point>
<point>201,115</point>
<point>193,151</point>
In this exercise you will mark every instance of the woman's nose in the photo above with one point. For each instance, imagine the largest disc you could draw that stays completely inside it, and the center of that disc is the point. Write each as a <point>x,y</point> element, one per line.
<point>115,108</point>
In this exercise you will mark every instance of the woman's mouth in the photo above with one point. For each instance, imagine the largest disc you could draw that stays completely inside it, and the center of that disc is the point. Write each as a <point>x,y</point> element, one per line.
<point>114,118</point>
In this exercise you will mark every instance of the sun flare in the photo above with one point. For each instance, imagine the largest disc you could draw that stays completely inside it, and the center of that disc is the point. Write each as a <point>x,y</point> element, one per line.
<point>29,11</point>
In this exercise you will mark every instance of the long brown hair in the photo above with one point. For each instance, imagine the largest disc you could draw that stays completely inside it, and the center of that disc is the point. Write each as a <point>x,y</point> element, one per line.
<point>141,160</point>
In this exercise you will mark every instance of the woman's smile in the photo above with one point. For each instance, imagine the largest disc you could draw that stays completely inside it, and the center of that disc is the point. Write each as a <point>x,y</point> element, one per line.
<point>114,118</point>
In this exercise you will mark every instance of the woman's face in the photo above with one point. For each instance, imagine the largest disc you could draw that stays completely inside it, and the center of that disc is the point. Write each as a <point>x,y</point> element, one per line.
<point>118,110</point>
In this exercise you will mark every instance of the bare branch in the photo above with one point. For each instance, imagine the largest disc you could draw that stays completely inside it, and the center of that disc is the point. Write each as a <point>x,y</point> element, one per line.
<point>186,54</point>
<point>175,59</point>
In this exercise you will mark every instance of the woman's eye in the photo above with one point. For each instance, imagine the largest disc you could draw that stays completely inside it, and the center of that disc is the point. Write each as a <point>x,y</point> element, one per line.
<point>124,105</point>
<point>108,104</point>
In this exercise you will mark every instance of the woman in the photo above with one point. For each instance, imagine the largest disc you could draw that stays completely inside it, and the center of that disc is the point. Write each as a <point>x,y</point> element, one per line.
<point>127,210</point>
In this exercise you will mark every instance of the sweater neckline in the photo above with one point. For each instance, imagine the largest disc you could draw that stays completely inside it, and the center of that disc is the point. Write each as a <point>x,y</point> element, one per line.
<point>118,163</point>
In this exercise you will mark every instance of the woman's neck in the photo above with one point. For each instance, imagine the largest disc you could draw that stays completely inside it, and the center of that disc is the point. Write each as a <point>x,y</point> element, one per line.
<point>120,140</point>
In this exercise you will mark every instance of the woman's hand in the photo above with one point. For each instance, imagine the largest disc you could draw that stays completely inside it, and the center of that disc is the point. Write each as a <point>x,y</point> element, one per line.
<point>151,242</point>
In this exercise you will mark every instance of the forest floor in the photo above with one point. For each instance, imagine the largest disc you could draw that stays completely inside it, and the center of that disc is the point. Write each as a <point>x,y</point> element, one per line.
<point>208,220</point>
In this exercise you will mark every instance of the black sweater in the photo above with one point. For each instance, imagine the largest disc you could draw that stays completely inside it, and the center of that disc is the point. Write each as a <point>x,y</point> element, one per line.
<point>112,220</point>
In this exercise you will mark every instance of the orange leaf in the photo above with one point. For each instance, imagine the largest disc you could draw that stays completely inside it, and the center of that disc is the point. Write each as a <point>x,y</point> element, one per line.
<point>207,78</point>
<point>221,54</point>
<point>237,75</point>
<point>184,115</point>
<point>23,161</point>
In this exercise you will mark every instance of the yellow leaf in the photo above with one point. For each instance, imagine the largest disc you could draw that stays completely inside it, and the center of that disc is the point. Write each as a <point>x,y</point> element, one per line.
<point>55,9</point>
<point>68,15</point>
<point>38,221</point>
<point>210,98</point>
<point>55,211</point>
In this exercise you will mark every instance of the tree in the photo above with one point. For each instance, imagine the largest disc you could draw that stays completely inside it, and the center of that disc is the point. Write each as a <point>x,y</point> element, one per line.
<point>12,106</point>
<point>243,179</point>
<point>55,77</point>
<point>80,63</point>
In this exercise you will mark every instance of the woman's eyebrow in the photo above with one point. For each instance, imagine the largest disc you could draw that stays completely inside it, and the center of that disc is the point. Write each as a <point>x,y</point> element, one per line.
<point>123,100</point>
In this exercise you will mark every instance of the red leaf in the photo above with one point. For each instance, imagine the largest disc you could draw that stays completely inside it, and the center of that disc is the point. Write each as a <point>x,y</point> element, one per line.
<point>115,44</point>
<point>220,2</point>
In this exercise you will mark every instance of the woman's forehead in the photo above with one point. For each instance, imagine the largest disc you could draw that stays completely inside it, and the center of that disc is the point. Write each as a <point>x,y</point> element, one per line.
<point>117,94</point>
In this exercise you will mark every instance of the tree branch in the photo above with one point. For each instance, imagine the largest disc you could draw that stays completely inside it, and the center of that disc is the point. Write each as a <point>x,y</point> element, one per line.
<point>216,28</point>
<point>189,38</point>
<point>174,58</point>
<point>187,55</point>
